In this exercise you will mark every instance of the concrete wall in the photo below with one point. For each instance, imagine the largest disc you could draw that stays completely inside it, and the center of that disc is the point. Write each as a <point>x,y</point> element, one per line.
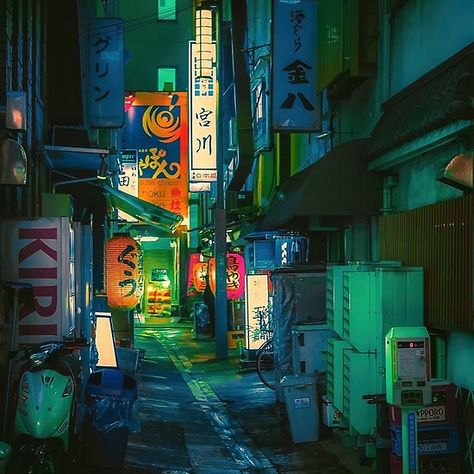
<point>417,184</point>
<point>460,357</point>
<point>424,33</point>
<point>152,43</point>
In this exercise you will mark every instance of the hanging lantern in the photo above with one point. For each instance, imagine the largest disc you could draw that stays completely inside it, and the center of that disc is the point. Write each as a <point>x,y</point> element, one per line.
<point>235,279</point>
<point>124,272</point>
<point>193,259</point>
<point>199,276</point>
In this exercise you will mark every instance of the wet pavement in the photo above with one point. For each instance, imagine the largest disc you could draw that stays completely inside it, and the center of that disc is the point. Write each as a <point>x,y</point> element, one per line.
<point>203,416</point>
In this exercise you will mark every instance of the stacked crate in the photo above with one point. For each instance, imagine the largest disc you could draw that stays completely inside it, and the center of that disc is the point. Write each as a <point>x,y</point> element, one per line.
<point>438,437</point>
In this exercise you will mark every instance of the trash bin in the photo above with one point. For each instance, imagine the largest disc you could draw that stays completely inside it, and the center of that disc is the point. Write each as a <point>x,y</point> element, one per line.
<point>5,451</point>
<point>302,407</point>
<point>109,397</point>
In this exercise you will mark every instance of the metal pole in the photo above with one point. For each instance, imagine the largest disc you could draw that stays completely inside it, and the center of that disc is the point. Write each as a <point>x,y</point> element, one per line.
<point>220,245</point>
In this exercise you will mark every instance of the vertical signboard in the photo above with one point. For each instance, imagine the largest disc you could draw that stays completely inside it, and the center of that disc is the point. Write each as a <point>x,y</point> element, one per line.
<point>257,311</point>
<point>106,73</point>
<point>203,120</point>
<point>38,252</point>
<point>295,105</point>
<point>157,127</point>
<point>128,178</point>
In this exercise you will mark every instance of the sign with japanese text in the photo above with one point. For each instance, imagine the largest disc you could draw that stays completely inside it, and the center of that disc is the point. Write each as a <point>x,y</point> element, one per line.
<point>257,311</point>
<point>203,121</point>
<point>124,272</point>
<point>128,178</point>
<point>106,73</point>
<point>235,275</point>
<point>295,104</point>
<point>157,127</point>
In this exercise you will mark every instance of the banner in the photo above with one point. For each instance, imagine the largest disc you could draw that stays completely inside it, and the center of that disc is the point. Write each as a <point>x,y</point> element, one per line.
<point>295,104</point>
<point>106,73</point>
<point>157,127</point>
<point>202,120</point>
<point>128,178</point>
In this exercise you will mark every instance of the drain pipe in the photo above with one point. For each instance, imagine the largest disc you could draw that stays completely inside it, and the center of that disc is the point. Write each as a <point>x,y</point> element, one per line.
<point>389,183</point>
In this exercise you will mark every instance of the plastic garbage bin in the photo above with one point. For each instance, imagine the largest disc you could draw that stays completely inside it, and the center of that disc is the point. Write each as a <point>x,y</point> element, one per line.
<point>5,452</point>
<point>302,407</point>
<point>109,397</point>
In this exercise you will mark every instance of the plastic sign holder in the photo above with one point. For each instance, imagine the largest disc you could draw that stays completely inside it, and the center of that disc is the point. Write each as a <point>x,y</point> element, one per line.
<point>408,383</point>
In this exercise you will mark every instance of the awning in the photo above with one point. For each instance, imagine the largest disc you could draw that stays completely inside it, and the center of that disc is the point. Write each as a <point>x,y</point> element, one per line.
<point>422,106</point>
<point>336,185</point>
<point>74,158</point>
<point>142,210</point>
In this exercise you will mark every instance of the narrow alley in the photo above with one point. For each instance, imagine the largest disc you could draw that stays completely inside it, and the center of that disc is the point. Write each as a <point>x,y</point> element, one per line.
<point>203,416</point>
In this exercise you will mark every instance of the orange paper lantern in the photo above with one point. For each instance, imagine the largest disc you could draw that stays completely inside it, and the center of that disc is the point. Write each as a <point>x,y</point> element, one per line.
<point>124,272</point>
<point>199,276</point>
<point>235,275</point>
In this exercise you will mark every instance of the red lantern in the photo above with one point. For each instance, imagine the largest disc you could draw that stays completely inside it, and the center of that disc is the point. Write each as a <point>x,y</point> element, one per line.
<point>193,259</point>
<point>235,275</point>
<point>124,272</point>
<point>199,276</point>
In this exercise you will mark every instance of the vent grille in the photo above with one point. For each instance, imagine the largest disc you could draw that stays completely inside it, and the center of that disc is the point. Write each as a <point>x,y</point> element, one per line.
<point>330,298</point>
<point>346,331</point>
<point>346,385</point>
<point>330,370</point>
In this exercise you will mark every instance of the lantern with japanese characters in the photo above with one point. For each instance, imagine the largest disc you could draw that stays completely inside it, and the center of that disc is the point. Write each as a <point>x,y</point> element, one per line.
<point>124,272</point>
<point>199,276</point>
<point>235,279</point>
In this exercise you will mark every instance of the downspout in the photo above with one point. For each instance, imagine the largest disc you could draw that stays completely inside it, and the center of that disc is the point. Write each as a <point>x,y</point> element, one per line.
<point>389,183</point>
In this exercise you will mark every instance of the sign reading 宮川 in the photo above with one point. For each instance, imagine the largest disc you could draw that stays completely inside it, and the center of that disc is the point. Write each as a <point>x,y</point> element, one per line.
<point>156,126</point>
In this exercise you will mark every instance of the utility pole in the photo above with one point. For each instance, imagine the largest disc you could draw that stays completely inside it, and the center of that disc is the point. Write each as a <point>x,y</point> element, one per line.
<point>220,224</point>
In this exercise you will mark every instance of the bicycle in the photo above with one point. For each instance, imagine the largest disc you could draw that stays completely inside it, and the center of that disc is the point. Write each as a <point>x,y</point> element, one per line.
<point>266,365</point>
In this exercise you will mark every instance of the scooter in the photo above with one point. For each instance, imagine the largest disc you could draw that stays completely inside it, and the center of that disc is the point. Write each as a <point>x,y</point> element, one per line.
<point>45,407</point>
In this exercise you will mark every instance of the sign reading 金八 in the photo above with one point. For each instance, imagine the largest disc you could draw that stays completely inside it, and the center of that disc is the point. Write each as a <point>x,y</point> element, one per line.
<point>295,104</point>
<point>203,93</point>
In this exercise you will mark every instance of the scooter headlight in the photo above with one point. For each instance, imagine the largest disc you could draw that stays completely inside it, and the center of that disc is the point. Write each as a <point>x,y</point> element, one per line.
<point>68,389</point>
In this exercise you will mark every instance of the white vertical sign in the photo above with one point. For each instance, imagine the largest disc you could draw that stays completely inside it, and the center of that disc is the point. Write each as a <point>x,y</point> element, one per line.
<point>257,311</point>
<point>203,93</point>
<point>128,178</point>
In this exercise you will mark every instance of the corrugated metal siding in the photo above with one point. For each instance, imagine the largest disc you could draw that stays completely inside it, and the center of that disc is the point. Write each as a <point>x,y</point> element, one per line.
<point>438,238</point>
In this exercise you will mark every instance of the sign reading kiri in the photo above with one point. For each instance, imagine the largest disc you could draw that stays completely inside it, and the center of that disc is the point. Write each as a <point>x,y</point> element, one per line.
<point>295,104</point>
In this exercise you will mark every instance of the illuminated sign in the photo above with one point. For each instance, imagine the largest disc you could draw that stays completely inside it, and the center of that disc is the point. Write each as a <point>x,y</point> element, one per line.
<point>124,272</point>
<point>203,93</point>
<point>157,127</point>
<point>128,178</point>
<point>257,311</point>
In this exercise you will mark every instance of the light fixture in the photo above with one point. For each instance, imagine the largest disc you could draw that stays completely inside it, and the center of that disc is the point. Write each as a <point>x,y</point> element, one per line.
<point>148,238</point>
<point>102,172</point>
<point>204,43</point>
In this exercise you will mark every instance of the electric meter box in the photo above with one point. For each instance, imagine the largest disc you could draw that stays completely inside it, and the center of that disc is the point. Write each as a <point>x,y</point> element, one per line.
<point>408,367</point>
